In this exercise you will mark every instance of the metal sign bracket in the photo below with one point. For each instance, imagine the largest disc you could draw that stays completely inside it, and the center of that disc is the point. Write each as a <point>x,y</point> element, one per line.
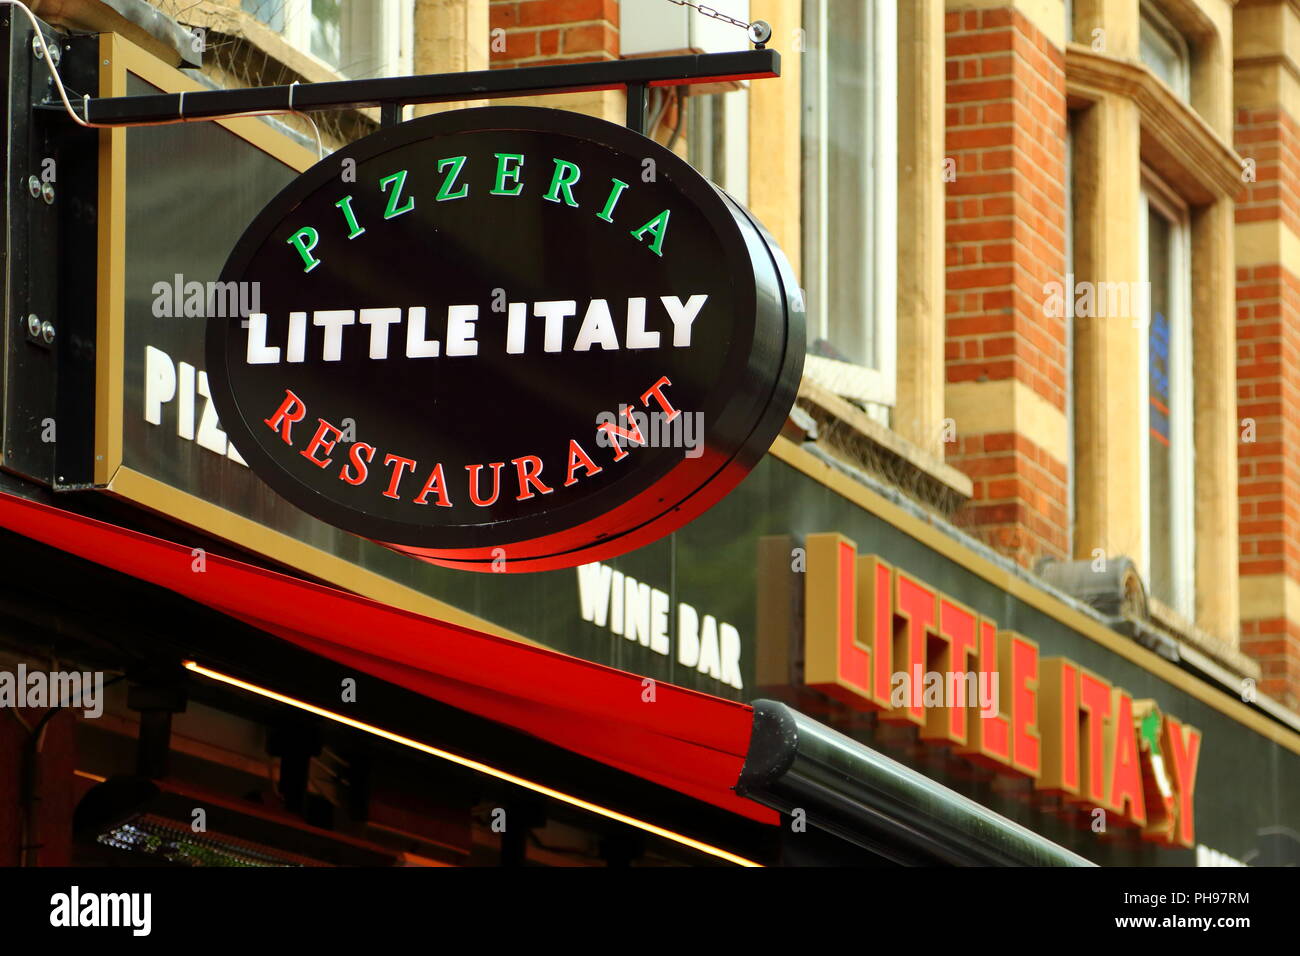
<point>390,94</point>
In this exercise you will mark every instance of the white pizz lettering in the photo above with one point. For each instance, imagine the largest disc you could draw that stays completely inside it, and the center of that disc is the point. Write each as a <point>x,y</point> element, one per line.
<point>172,392</point>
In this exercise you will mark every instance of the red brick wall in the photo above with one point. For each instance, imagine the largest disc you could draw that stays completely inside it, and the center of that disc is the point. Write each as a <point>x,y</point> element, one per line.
<point>1019,494</point>
<point>1006,123</point>
<point>1268,394</point>
<point>540,32</point>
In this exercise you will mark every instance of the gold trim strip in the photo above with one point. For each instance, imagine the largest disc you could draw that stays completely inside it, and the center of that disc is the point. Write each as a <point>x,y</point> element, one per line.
<point>132,59</point>
<point>288,550</point>
<point>110,293</point>
<point>791,454</point>
<point>118,58</point>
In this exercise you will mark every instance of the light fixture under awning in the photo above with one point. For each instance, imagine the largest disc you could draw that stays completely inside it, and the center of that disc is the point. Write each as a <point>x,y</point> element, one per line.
<point>685,740</point>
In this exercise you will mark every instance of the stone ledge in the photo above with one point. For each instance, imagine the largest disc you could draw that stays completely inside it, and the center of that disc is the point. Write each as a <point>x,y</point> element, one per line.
<point>1183,631</point>
<point>239,25</point>
<point>851,434</point>
<point>1176,140</point>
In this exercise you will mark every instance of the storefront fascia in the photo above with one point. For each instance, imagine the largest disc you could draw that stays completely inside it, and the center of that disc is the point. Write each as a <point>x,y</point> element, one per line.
<point>732,605</point>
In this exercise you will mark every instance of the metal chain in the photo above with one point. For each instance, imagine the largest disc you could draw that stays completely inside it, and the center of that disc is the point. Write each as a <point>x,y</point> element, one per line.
<point>710,12</point>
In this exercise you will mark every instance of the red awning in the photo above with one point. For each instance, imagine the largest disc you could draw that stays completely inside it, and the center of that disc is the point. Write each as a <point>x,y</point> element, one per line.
<point>691,742</point>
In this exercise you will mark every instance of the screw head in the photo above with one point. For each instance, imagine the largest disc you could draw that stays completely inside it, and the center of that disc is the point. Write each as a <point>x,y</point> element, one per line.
<point>34,187</point>
<point>760,31</point>
<point>34,326</point>
<point>47,193</point>
<point>47,332</point>
<point>51,45</point>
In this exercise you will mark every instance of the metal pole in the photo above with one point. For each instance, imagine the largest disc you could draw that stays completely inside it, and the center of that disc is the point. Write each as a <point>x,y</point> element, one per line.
<point>636,107</point>
<point>865,798</point>
<point>438,88</point>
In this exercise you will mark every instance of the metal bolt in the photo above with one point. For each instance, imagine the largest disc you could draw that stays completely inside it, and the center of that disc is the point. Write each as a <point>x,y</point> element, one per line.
<point>760,31</point>
<point>47,332</point>
<point>39,53</point>
<point>34,325</point>
<point>47,193</point>
<point>34,187</point>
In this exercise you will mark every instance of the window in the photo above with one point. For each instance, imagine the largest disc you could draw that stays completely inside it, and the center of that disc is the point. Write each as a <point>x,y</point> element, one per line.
<point>1168,522</point>
<point>326,31</point>
<point>270,12</point>
<point>718,140</point>
<point>357,38</point>
<point>850,197</point>
<point>1164,50</point>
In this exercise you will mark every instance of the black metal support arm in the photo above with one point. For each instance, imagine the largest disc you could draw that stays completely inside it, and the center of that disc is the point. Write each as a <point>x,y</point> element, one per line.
<point>392,93</point>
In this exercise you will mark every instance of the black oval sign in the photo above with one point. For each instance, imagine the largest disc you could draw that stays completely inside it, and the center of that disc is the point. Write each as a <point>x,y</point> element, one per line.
<point>506,338</point>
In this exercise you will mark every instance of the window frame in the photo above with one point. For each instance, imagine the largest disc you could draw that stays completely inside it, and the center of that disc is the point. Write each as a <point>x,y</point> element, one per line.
<point>1157,197</point>
<point>394,35</point>
<point>875,386</point>
<point>1153,24</point>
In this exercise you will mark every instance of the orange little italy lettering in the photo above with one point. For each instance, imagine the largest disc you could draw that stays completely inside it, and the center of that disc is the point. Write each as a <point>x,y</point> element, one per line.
<point>879,639</point>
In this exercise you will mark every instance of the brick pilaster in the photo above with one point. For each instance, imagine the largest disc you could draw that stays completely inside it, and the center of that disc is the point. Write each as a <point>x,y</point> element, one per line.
<point>1268,403</point>
<point>1005,355</point>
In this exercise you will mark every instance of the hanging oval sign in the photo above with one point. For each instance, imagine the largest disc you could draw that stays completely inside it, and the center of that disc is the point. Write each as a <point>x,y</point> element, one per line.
<point>507,338</point>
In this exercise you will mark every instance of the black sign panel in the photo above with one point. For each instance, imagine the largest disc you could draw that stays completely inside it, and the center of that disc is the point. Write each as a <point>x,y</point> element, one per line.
<point>508,337</point>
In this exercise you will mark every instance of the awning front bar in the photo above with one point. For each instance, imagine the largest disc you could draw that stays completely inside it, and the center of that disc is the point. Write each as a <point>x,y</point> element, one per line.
<point>848,789</point>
